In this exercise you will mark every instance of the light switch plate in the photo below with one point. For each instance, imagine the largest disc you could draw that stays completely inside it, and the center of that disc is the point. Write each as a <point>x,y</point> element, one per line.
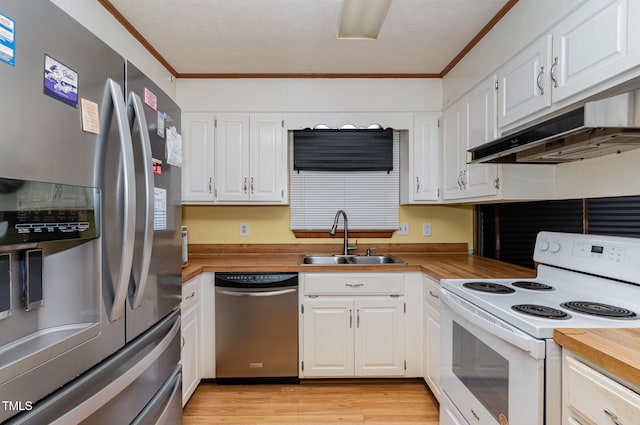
<point>426,229</point>
<point>404,229</point>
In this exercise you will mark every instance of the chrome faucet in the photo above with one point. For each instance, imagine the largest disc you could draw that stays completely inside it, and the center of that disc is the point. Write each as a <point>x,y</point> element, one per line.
<point>332,232</point>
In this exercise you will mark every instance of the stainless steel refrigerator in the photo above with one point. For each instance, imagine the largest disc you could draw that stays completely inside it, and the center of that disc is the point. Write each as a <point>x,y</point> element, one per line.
<point>90,265</point>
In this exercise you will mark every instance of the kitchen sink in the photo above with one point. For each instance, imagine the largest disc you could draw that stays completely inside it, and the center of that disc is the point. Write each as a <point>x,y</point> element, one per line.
<point>321,259</point>
<point>328,259</point>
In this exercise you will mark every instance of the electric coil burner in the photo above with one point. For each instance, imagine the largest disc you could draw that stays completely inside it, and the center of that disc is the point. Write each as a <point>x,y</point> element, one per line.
<point>490,287</point>
<point>599,309</point>
<point>535,286</point>
<point>541,311</point>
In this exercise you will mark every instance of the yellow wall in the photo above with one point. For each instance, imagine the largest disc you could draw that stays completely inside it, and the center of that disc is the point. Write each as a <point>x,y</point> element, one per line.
<point>270,224</point>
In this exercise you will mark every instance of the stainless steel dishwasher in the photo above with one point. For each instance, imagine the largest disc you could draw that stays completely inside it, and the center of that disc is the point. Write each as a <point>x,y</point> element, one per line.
<point>256,327</point>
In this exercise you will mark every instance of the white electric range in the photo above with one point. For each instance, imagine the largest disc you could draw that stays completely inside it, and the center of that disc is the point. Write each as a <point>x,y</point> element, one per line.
<point>500,364</point>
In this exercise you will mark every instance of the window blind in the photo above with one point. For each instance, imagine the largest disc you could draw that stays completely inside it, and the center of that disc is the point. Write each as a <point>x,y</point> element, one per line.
<point>370,198</point>
<point>343,150</point>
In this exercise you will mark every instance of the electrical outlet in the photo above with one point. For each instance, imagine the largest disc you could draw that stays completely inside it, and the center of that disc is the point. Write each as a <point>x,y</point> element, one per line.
<point>244,229</point>
<point>426,229</point>
<point>404,229</point>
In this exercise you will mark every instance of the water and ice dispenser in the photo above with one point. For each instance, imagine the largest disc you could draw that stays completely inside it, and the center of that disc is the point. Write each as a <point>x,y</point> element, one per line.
<point>34,216</point>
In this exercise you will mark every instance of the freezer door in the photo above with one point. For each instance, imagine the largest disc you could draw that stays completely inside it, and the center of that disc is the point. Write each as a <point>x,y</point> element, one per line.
<point>139,383</point>
<point>156,276</point>
<point>43,140</point>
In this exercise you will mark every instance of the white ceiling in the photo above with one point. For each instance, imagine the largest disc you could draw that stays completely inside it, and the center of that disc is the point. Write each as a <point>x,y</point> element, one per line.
<point>299,36</point>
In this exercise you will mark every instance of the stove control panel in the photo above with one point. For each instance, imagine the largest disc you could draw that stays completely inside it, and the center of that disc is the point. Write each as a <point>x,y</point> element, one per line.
<point>608,256</point>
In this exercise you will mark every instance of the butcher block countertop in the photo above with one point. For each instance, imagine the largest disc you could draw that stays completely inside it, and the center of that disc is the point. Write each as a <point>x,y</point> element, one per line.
<point>436,260</point>
<point>614,350</point>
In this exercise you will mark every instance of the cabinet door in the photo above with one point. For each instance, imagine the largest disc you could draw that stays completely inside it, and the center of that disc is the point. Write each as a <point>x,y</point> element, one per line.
<point>198,157</point>
<point>232,158</point>
<point>431,330</point>
<point>190,349</point>
<point>523,83</point>
<point>425,157</point>
<point>454,149</point>
<point>596,42</point>
<point>482,127</point>
<point>379,337</point>
<point>267,158</point>
<point>432,324</point>
<point>328,326</point>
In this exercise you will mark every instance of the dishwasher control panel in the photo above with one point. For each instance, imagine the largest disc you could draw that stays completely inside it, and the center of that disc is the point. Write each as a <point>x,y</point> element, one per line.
<point>253,280</point>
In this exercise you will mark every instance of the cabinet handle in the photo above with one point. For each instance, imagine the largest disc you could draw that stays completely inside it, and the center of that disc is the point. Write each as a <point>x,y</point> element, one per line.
<point>433,295</point>
<point>350,318</point>
<point>210,185</point>
<point>181,342</point>
<point>358,318</point>
<point>613,416</point>
<point>540,74</point>
<point>193,294</point>
<point>553,72</point>
<point>464,178</point>
<point>354,285</point>
<point>460,180</point>
<point>252,187</point>
<point>417,184</point>
<point>244,185</point>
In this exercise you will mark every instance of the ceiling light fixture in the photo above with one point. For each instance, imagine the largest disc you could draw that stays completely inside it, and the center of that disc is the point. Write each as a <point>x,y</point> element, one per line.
<point>362,19</point>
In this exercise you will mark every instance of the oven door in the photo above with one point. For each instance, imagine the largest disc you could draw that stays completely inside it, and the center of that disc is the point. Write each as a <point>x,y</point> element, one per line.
<point>492,372</point>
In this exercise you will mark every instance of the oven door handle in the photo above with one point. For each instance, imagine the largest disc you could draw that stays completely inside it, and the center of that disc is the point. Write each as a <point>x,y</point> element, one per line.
<point>256,294</point>
<point>535,348</point>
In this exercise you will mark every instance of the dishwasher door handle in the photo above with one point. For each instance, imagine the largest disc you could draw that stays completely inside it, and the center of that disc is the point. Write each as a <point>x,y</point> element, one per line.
<point>256,294</point>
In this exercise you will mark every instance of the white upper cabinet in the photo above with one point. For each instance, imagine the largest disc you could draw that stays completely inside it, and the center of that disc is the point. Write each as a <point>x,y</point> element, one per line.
<point>586,50</point>
<point>250,159</point>
<point>419,169</point>
<point>267,159</point>
<point>198,157</point>
<point>598,41</point>
<point>523,82</point>
<point>469,122</point>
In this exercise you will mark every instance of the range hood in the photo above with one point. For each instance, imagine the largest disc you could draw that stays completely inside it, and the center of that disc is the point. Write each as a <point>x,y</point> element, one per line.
<point>598,128</point>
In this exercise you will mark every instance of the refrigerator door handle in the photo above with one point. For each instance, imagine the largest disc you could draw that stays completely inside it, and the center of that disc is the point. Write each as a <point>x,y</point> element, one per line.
<point>113,102</point>
<point>140,272</point>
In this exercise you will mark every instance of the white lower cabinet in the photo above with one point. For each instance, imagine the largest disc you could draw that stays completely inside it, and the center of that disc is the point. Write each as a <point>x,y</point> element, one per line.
<point>190,329</point>
<point>351,327</point>
<point>431,337</point>
<point>589,397</point>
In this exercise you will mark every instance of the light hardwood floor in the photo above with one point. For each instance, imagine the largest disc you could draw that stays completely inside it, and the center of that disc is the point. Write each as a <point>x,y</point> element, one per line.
<point>379,402</point>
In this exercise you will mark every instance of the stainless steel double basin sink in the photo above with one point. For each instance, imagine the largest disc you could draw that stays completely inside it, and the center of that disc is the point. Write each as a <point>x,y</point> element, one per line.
<point>332,260</point>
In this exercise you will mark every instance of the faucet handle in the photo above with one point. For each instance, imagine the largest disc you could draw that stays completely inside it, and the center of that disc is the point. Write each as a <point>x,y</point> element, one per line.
<point>369,251</point>
<point>352,247</point>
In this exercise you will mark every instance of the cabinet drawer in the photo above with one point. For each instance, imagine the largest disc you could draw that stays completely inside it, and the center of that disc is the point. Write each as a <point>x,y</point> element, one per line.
<point>591,395</point>
<point>354,284</point>
<point>190,294</point>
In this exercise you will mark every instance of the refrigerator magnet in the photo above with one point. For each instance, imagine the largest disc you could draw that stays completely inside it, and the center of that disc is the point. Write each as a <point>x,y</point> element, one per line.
<point>90,116</point>
<point>7,40</point>
<point>160,124</point>
<point>60,81</point>
<point>150,99</point>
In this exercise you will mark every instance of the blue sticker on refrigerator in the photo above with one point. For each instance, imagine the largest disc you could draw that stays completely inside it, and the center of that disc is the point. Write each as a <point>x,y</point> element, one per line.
<point>7,40</point>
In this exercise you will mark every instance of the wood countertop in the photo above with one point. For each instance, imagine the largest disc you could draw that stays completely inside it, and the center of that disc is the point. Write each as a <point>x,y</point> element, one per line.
<point>436,260</point>
<point>614,350</point>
